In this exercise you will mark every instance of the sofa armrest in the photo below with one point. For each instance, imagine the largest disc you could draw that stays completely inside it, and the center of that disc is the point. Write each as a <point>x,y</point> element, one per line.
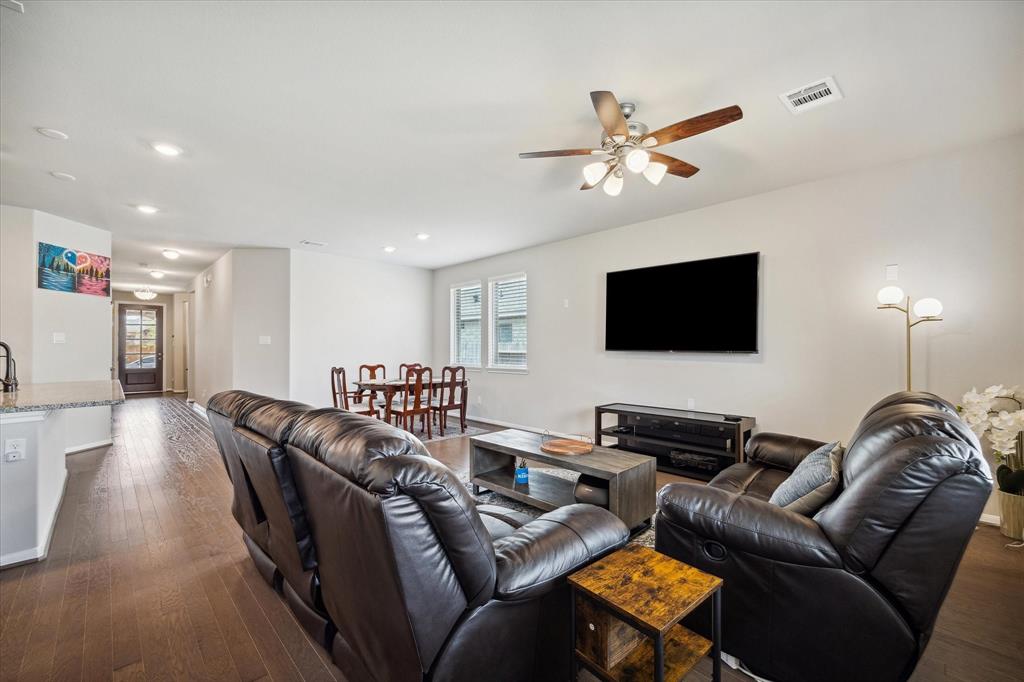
<point>779,450</point>
<point>746,524</point>
<point>537,557</point>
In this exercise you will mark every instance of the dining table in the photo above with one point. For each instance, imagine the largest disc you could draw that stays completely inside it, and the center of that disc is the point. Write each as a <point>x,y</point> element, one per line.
<point>389,388</point>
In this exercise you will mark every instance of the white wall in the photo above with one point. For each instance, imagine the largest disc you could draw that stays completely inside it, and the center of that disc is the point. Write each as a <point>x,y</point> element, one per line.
<point>179,360</point>
<point>954,224</point>
<point>85,322</point>
<point>17,283</point>
<point>348,312</point>
<point>260,278</point>
<point>214,331</point>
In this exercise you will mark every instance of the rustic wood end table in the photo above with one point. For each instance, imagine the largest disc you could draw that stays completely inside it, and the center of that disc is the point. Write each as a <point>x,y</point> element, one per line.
<point>626,613</point>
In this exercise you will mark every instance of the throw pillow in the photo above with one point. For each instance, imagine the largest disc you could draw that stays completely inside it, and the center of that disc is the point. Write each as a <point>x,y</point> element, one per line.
<point>813,482</point>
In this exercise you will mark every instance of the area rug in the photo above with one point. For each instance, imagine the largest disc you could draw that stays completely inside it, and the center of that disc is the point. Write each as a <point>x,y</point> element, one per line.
<point>449,433</point>
<point>645,538</point>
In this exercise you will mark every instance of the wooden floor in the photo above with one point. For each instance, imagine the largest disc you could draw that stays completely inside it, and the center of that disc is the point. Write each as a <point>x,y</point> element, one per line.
<point>147,577</point>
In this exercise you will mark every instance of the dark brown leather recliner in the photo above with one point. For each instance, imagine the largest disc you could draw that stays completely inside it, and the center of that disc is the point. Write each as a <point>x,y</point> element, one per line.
<point>853,593</point>
<point>418,581</point>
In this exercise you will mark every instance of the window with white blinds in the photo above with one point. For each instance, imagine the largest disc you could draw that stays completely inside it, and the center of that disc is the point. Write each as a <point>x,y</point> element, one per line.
<point>466,325</point>
<point>507,340</point>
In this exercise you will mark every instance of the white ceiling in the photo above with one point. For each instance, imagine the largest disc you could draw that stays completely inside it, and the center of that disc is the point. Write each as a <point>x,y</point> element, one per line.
<point>362,124</point>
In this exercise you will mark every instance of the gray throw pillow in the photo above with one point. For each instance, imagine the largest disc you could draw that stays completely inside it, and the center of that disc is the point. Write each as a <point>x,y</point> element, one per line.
<point>813,482</point>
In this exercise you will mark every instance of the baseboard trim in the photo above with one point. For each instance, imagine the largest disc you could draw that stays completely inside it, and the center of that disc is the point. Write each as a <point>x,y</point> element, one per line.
<point>531,429</point>
<point>990,519</point>
<point>39,552</point>
<point>88,446</point>
<point>198,409</point>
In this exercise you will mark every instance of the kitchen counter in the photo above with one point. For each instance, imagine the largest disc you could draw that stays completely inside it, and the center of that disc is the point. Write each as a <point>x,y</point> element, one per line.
<point>61,396</point>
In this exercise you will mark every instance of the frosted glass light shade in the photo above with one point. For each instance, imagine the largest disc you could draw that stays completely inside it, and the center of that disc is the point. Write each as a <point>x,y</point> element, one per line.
<point>637,160</point>
<point>613,185</point>
<point>928,307</point>
<point>890,295</point>
<point>593,172</point>
<point>655,172</point>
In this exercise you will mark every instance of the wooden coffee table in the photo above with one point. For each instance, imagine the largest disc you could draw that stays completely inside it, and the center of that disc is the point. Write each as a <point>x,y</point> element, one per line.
<point>635,591</point>
<point>630,476</point>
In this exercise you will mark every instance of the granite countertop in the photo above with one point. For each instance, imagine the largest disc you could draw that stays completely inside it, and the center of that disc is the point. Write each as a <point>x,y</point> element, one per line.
<point>62,396</point>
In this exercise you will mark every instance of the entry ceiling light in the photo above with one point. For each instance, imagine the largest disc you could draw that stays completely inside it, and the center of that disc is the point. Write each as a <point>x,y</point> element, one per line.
<point>53,133</point>
<point>171,254</point>
<point>167,149</point>
<point>389,249</point>
<point>156,274</point>
<point>61,175</point>
<point>145,294</point>
<point>423,236</point>
<point>147,209</point>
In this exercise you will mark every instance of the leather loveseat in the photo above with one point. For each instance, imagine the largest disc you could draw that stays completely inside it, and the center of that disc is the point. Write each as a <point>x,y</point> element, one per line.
<point>852,593</point>
<point>385,557</point>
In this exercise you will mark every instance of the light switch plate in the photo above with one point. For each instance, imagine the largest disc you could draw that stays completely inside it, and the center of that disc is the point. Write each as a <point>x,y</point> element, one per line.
<point>59,337</point>
<point>264,340</point>
<point>892,273</point>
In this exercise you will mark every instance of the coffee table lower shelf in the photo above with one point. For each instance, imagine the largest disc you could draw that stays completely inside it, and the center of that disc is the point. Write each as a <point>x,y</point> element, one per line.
<point>683,650</point>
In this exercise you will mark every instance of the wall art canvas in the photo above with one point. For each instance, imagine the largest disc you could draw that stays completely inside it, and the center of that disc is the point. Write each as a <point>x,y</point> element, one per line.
<point>77,272</point>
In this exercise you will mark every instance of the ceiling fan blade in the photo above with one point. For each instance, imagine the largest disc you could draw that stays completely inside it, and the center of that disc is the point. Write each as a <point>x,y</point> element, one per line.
<point>560,152</point>
<point>610,114</point>
<point>693,126</point>
<point>675,166</point>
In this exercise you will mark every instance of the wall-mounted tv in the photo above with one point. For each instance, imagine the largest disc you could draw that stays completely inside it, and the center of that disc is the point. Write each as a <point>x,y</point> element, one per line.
<point>707,306</point>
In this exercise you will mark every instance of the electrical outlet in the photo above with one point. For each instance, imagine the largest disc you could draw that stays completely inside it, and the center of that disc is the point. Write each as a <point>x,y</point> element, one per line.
<point>691,403</point>
<point>264,340</point>
<point>14,449</point>
<point>479,399</point>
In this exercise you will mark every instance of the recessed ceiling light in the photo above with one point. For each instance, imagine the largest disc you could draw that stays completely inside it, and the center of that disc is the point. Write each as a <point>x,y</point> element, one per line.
<point>148,210</point>
<point>156,274</point>
<point>52,133</point>
<point>423,236</point>
<point>167,149</point>
<point>389,249</point>
<point>61,175</point>
<point>171,254</point>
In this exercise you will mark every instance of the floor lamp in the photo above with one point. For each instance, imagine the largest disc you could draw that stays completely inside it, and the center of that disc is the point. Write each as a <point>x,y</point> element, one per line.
<point>926,310</point>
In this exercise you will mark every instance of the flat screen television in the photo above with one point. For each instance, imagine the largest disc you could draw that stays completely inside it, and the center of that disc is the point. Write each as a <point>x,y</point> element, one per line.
<point>707,306</point>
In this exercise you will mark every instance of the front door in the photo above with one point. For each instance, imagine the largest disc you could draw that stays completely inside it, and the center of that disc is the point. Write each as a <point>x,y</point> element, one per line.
<point>140,361</point>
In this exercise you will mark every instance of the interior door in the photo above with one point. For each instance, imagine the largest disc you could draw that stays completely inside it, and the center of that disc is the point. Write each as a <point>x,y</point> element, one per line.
<point>140,361</point>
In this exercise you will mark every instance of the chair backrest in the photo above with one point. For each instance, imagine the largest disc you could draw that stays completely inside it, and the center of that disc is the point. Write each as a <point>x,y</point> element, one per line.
<point>367,372</point>
<point>403,369</point>
<point>914,485</point>
<point>452,380</point>
<point>339,387</point>
<point>415,380</point>
<point>402,551</point>
<point>262,434</point>
<point>223,411</point>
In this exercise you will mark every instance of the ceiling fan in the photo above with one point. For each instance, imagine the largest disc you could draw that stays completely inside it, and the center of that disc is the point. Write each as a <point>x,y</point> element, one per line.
<point>629,143</point>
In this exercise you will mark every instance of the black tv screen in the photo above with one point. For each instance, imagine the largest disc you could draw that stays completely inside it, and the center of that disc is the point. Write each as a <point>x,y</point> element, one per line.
<point>700,306</point>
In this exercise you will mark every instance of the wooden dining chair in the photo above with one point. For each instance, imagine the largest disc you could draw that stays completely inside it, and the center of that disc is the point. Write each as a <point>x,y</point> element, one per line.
<point>344,398</point>
<point>413,402</point>
<point>403,369</point>
<point>453,397</point>
<point>367,373</point>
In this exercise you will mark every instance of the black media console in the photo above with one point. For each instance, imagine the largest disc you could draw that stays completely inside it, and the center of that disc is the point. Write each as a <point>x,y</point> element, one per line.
<point>687,443</point>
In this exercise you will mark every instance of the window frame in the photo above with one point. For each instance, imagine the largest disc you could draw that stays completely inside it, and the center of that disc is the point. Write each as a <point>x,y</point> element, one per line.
<point>492,342</point>
<point>452,320</point>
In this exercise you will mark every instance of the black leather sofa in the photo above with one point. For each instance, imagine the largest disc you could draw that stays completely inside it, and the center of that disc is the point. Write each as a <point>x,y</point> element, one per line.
<point>385,557</point>
<point>852,593</point>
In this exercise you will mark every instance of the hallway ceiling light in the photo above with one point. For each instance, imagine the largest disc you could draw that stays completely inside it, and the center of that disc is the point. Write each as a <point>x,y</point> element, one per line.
<point>167,149</point>
<point>53,133</point>
<point>156,274</point>
<point>389,249</point>
<point>145,294</point>
<point>61,175</point>
<point>171,254</point>
<point>147,209</point>
<point>423,236</point>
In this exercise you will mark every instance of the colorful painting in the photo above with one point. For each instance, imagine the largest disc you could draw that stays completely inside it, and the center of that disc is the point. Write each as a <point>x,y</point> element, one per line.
<point>78,272</point>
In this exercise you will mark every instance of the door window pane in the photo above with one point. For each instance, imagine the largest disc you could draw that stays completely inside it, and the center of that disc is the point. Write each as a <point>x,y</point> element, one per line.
<point>133,317</point>
<point>149,317</point>
<point>132,348</point>
<point>149,361</point>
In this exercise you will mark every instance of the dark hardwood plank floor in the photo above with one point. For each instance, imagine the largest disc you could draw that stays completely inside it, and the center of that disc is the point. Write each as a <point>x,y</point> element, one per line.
<point>147,577</point>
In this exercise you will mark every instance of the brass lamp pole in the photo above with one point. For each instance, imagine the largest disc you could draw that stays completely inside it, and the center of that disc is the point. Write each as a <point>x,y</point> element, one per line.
<point>926,310</point>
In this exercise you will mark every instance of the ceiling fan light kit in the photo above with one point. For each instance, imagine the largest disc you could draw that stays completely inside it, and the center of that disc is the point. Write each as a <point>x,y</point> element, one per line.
<point>627,143</point>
